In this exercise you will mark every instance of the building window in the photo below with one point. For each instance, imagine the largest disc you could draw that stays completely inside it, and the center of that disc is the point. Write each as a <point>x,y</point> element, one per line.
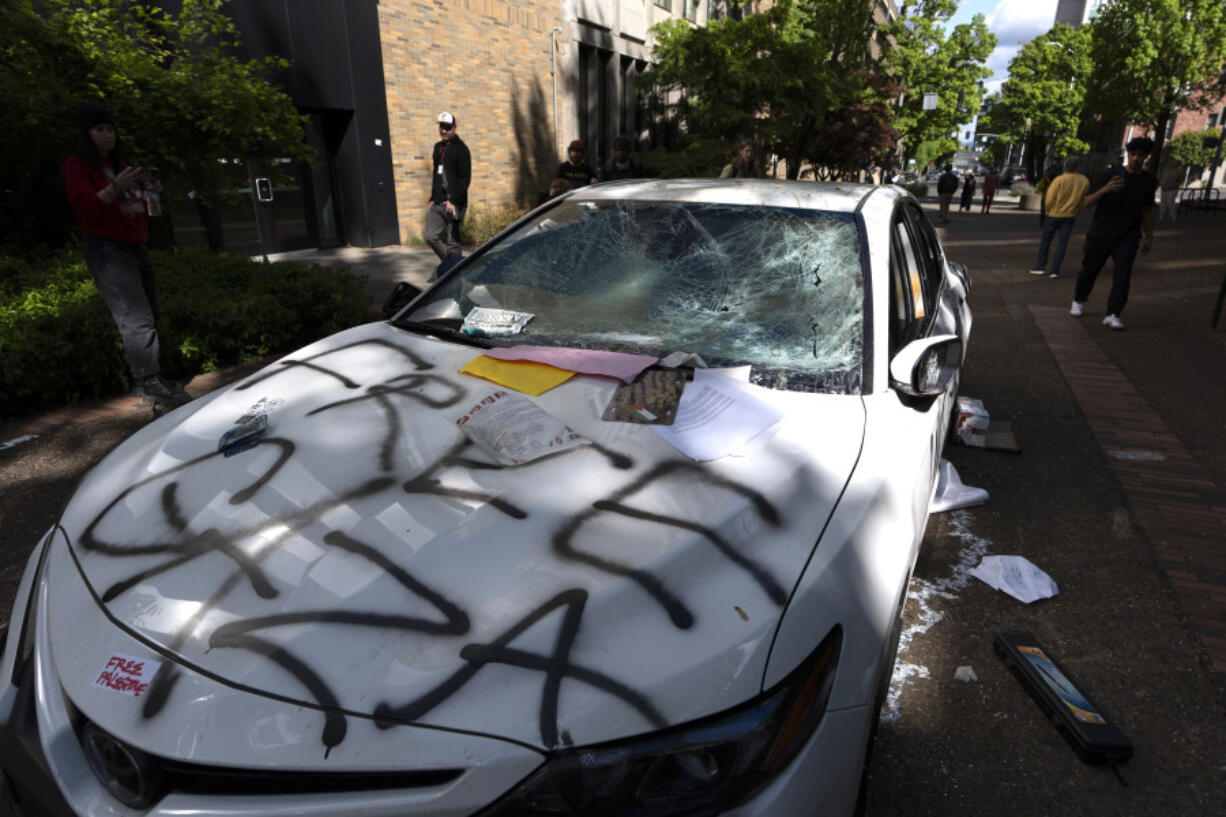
<point>667,5</point>
<point>1212,123</point>
<point>712,10</point>
<point>1170,126</point>
<point>690,10</point>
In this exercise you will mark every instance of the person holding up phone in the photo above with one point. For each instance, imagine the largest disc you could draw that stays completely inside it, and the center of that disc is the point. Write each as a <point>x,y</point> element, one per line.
<point>107,196</point>
<point>1123,226</point>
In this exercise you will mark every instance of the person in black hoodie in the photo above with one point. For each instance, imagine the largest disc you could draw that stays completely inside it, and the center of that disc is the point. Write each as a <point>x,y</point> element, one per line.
<point>947,185</point>
<point>449,190</point>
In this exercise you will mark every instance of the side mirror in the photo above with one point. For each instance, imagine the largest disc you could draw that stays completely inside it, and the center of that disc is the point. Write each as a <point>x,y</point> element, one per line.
<point>398,298</point>
<point>923,368</point>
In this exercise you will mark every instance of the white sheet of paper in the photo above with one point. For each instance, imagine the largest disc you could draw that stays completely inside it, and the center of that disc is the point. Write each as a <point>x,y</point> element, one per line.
<point>716,416</point>
<point>1017,576</point>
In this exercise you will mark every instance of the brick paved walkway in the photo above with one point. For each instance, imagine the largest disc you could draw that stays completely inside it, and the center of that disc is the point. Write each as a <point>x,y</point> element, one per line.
<point>1182,512</point>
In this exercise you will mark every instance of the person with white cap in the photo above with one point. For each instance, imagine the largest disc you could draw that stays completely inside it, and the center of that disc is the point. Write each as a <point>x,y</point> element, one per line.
<point>449,190</point>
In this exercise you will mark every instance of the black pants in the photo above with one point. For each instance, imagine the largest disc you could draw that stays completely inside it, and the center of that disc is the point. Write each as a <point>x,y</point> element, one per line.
<point>123,274</point>
<point>1122,253</point>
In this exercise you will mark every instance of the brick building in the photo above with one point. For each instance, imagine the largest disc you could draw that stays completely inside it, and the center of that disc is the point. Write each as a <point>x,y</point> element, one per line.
<point>522,77</point>
<point>492,63</point>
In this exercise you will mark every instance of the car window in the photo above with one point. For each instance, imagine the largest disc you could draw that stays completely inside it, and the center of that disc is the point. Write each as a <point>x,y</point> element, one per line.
<point>928,253</point>
<point>912,295</point>
<point>778,289</point>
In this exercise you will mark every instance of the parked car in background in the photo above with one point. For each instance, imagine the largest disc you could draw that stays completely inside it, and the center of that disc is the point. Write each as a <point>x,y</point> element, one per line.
<point>1012,175</point>
<point>363,582</point>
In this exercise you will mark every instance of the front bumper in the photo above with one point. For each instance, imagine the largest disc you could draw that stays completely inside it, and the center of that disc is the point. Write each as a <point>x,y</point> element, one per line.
<point>43,765</point>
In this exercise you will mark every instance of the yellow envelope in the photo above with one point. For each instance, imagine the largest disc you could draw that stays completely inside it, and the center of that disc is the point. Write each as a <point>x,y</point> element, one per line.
<point>527,376</point>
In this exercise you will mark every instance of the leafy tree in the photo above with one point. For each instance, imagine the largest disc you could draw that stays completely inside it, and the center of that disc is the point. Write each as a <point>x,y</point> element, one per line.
<point>183,102</point>
<point>857,134</point>
<point>1042,101</point>
<point>924,58</point>
<point>935,152</point>
<point>1194,148</point>
<point>1154,57</point>
<point>776,76</point>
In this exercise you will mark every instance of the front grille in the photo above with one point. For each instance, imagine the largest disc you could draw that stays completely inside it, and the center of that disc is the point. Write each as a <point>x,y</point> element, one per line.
<point>173,776</point>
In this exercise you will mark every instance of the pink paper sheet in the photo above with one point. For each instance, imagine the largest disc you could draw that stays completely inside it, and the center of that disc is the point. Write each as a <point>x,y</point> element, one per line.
<point>585,361</point>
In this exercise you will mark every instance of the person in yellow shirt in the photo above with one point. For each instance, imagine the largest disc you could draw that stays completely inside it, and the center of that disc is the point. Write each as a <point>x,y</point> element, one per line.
<point>1063,200</point>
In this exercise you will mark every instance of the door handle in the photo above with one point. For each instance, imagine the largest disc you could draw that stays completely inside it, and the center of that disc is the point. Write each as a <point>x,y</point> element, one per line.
<point>263,189</point>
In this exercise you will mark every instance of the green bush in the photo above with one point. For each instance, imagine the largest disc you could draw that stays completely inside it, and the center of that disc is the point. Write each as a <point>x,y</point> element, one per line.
<point>483,222</point>
<point>59,345</point>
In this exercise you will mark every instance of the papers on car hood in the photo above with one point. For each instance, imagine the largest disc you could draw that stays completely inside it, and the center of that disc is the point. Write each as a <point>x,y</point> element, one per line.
<point>716,417</point>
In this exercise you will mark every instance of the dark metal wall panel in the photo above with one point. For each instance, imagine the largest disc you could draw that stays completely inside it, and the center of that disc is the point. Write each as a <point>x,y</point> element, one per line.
<point>370,109</point>
<point>337,66</point>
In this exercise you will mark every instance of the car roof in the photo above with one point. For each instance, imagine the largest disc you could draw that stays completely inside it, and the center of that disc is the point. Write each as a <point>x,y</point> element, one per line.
<point>838,197</point>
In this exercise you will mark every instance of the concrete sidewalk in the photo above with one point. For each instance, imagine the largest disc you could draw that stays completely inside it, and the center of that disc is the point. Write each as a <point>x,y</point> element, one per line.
<point>383,267</point>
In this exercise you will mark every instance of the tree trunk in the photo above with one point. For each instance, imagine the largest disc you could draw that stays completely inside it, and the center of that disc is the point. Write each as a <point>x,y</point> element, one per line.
<point>1160,126</point>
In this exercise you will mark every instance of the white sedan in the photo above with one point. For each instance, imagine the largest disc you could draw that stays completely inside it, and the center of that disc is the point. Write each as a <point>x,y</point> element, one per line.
<point>323,591</point>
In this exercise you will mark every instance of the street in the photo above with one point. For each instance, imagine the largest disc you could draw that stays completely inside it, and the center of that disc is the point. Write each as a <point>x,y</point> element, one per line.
<point>1136,620</point>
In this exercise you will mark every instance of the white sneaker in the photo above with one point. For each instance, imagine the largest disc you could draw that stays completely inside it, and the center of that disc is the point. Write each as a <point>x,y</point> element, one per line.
<point>1075,309</point>
<point>1114,322</point>
<point>1038,272</point>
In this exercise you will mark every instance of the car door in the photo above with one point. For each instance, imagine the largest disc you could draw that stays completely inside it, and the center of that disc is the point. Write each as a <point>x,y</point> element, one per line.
<point>917,273</point>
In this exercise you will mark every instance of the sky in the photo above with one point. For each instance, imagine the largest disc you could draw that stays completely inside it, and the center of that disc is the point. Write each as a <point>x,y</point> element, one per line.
<point>1014,22</point>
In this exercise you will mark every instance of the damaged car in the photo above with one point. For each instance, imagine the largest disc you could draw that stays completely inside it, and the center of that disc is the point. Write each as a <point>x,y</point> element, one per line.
<point>615,518</point>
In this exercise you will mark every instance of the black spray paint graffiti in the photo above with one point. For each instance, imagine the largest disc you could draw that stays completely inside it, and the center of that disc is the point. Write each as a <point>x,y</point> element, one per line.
<point>405,385</point>
<point>564,539</point>
<point>423,392</point>
<point>555,667</point>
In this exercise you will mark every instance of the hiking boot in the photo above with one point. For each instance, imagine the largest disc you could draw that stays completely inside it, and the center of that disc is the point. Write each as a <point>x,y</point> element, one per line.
<point>1075,310</point>
<point>1038,272</point>
<point>1114,322</point>
<point>156,388</point>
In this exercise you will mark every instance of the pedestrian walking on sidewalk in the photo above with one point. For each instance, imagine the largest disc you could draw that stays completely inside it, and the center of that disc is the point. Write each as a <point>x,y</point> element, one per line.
<point>1049,176</point>
<point>449,189</point>
<point>1170,182</point>
<point>991,183</point>
<point>1064,199</point>
<point>968,192</point>
<point>1123,226</point>
<point>111,208</point>
<point>744,164</point>
<point>947,185</point>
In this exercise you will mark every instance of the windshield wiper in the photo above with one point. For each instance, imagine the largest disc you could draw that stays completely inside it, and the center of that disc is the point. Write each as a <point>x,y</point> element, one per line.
<point>446,328</point>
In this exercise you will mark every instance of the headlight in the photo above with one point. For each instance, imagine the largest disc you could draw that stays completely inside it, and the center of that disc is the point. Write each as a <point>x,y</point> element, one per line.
<point>715,762</point>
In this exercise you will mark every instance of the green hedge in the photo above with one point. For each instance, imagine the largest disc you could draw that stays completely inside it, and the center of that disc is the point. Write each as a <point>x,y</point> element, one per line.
<point>58,344</point>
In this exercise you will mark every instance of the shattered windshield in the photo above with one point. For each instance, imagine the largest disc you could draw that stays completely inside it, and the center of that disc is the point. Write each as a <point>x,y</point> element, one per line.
<point>778,289</point>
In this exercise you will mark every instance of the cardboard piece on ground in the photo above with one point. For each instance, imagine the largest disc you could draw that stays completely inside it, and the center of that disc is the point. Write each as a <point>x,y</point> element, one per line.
<point>522,375</point>
<point>1001,437</point>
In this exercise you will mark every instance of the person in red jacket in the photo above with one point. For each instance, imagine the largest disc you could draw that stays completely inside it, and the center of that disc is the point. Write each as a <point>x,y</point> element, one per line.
<point>105,193</point>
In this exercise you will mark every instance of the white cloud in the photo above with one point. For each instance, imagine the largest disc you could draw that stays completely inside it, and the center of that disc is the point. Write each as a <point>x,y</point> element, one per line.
<point>1019,21</point>
<point>1015,22</point>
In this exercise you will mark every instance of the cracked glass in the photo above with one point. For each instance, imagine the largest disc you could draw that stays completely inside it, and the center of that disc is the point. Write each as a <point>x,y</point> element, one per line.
<point>778,289</point>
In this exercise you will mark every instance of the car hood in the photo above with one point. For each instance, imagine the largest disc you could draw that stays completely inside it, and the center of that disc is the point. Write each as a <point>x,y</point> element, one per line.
<point>364,559</point>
